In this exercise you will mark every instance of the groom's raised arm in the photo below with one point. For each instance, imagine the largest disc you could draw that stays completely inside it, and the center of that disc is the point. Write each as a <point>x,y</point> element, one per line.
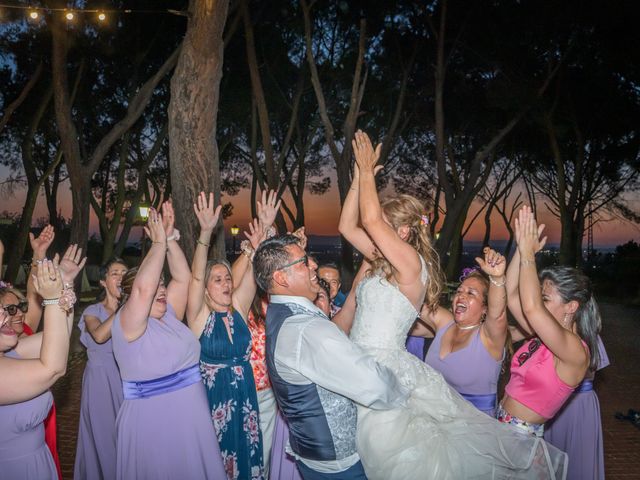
<point>328,358</point>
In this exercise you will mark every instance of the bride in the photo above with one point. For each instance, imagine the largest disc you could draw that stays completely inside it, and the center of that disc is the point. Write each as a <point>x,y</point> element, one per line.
<point>438,435</point>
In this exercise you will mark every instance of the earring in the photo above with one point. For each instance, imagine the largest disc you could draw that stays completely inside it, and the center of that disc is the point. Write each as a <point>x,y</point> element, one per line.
<point>566,320</point>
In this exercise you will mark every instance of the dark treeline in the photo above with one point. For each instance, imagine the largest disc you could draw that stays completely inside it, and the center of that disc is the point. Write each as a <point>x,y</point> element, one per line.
<point>504,101</point>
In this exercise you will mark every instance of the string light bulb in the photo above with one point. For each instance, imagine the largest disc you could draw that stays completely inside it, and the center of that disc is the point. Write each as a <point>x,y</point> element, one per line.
<point>101,16</point>
<point>33,14</point>
<point>69,16</point>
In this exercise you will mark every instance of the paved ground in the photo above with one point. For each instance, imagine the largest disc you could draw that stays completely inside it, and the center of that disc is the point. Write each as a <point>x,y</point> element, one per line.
<point>618,387</point>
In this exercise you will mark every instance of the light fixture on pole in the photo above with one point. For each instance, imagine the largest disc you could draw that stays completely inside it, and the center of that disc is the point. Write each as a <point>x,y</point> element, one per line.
<point>33,14</point>
<point>101,16</point>
<point>143,216</point>
<point>234,233</point>
<point>68,16</point>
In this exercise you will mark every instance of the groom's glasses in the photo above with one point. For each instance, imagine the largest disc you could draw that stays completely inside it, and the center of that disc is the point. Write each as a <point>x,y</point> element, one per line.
<point>13,309</point>
<point>304,260</point>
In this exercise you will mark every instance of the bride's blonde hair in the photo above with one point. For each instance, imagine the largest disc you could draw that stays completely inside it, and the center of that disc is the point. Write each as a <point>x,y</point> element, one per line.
<point>407,210</point>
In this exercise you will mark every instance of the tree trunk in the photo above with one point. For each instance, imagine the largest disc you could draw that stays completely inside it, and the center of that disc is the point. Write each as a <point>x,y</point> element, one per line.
<point>193,110</point>
<point>22,235</point>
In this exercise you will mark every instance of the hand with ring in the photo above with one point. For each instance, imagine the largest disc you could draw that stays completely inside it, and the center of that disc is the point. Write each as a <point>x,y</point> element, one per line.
<point>48,279</point>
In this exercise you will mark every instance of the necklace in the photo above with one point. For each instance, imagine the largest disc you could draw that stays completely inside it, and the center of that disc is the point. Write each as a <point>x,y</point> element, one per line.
<point>468,327</point>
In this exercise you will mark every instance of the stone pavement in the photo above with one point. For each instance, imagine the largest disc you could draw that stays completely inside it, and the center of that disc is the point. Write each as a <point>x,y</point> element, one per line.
<point>618,387</point>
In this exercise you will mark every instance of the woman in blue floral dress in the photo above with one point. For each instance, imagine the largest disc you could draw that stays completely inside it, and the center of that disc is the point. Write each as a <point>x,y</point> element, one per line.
<point>216,313</point>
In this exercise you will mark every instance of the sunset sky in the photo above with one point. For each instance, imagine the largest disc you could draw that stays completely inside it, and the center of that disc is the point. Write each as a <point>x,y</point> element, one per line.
<point>322,213</point>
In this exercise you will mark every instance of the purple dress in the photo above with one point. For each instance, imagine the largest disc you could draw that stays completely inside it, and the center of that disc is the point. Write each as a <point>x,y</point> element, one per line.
<point>169,435</point>
<point>415,346</point>
<point>23,453</point>
<point>99,405</point>
<point>577,429</point>
<point>282,465</point>
<point>471,371</point>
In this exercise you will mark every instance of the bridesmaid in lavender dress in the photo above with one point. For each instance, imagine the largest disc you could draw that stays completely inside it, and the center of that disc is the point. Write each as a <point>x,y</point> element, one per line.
<point>163,429</point>
<point>577,428</point>
<point>101,383</point>
<point>469,346</point>
<point>28,367</point>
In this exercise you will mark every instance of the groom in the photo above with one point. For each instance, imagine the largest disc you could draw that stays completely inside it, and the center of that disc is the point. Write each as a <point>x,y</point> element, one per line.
<point>315,370</point>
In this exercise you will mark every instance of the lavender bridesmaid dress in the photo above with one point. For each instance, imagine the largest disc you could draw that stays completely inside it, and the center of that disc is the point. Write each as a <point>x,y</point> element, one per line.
<point>577,429</point>
<point>23,453</point>
<point>471,371</point>
<point>99,405</point>
<point>282,465</point>
<point>170,435</point>
<point>415,346</point>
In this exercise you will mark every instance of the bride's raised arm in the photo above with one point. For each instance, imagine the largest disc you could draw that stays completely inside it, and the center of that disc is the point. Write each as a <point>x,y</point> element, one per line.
<point>389,242</point>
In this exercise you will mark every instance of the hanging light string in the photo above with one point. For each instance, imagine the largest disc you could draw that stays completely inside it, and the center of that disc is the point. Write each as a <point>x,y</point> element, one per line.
<point>70,13</point>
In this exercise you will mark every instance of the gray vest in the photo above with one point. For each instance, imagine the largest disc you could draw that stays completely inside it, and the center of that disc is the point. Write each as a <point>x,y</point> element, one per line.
<point>322,424</point>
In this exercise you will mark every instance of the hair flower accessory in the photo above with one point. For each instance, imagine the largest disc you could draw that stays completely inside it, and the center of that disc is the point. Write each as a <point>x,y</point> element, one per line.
<point>424,220</point>
<point>4,284</point>
<point>466,272</point>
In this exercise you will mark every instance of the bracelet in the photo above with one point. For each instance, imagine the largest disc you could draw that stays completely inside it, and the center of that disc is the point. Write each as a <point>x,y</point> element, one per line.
<point>35,263</point>
<point>504,281</point>
<point>50,301</point>
<point>159,242</point>
<point>271,232</point>
<point>203,244</point>
<point>524,263</point>
<point>175,236</point>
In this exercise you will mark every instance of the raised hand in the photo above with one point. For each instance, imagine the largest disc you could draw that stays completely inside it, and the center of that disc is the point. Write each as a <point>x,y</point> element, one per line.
<point>155,229</point>
<point>493,264</point>
<point>206,213</point>
<point>168,218</point>
<point>366,156</point>
<point>256,233</point>
<point>267,209</point>
<point>48,279</point>
<point>71,264</point>
<point>528,234</point>
<point>42,242</point>
<point>302,237</point>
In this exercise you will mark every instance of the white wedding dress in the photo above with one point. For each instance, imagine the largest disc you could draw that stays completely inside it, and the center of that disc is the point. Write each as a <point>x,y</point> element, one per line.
<point>438,435</point>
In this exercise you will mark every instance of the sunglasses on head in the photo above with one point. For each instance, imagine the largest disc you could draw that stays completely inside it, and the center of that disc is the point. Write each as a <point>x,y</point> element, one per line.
<point>533,346</point>
<point>13,309</point>
<point>304,260</point>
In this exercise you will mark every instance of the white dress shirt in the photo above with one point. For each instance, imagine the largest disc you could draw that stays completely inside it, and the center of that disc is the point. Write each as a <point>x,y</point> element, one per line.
<point>312,349</point>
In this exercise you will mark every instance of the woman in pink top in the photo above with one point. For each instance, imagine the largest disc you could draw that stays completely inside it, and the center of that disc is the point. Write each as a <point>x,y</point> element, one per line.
<point>562,318</point>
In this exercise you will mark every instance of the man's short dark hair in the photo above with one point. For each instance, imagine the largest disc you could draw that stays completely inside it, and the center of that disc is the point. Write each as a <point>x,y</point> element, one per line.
<point>330,265</point>
<point>270,256</point>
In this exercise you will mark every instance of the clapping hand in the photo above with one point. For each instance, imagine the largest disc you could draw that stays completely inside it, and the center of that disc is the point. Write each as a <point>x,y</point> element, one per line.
<point>493,264</point>
<point>267,209</point>
<point>256,233</point>
<point>71,264</point>
<point>155,229</point>
<point>206,213</point>
<point>168,218</point>
<point>42,242</point>
<point>528,233</point>
<point>366,156</point>
<point>48,279</point>
<point>302,237</point>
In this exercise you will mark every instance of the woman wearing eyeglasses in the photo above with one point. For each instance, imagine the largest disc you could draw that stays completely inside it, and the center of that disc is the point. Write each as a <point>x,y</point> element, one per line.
<point>216,313</point>
<point>101,382</point>
<point>29,366</point>
<point>558,311</point>
<point>25,314</point>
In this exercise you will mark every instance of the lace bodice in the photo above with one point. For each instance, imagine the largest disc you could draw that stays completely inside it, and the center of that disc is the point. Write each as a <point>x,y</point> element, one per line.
<point>384,314</point>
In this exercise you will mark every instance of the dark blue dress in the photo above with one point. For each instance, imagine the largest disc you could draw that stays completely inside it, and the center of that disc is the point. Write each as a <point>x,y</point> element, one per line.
<point>231,391</point>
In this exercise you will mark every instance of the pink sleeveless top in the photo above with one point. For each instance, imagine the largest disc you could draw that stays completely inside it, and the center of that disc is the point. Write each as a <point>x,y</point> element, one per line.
<point>535,383</point>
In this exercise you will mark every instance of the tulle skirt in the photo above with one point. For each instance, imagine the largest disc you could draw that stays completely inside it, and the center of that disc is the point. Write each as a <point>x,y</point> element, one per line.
<point>440,435</point>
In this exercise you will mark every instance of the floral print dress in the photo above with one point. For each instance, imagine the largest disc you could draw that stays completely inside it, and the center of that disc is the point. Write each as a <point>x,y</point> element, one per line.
<point>231,391</point>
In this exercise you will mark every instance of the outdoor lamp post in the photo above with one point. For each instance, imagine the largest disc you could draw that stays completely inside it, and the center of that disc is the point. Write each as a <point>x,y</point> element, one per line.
<point>234,233</point>
<point>143,216</point>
